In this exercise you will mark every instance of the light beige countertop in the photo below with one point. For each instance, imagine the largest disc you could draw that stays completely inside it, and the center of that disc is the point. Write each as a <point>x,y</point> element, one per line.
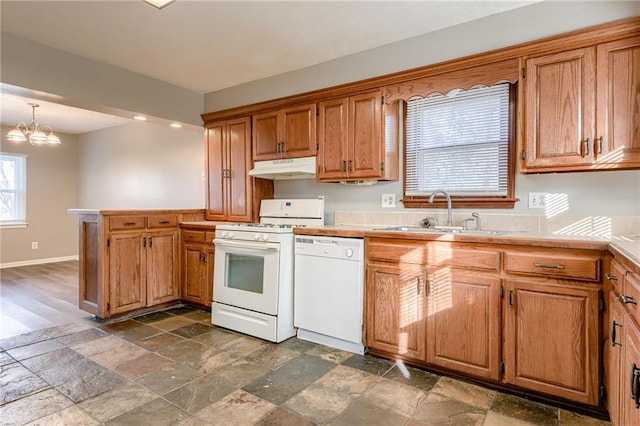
<point>628,246</point>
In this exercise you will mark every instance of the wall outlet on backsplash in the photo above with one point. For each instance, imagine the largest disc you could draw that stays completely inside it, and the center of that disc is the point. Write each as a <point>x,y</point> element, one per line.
<point>537,200</point>
<point>388,200</point>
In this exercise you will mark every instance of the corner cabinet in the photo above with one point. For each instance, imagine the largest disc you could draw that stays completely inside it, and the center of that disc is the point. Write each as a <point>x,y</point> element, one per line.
<point>523,317</point>
<point>285,133</point>
<point>129,260</point>
<point>232,195</point>
<point>358,138</point>
<point>581,109</point>
<point>623,343</point>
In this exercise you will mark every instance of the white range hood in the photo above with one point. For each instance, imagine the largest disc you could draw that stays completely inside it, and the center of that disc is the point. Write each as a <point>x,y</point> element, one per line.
<point>285,168</point>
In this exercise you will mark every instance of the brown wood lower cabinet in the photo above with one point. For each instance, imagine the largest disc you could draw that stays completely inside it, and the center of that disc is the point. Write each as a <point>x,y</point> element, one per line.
<point>551,339</point>
<point>197,266</point>
<point>623,365</point>
<point>142,269</point>
<point>463,325</point>
<point>497,313</point>
<point>395,308</point>
<point>129,259</point>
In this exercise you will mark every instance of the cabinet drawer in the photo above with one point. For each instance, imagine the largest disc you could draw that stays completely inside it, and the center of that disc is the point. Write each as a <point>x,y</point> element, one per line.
<point>209,236</point>
<point>162,221</point>
<point>126,222</point>
<point>631,294</point>
<point>579,267</point>
<point>616,277</point>
<point>389,251</point>
<point>193,236</point>
<point>463,257</point>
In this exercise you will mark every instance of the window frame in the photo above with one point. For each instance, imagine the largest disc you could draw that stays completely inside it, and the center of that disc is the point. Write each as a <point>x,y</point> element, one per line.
<point>485,202</point>
<point>20,191</point>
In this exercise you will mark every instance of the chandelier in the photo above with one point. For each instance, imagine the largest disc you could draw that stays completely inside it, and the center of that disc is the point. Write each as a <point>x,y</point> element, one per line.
<point>32,132</point>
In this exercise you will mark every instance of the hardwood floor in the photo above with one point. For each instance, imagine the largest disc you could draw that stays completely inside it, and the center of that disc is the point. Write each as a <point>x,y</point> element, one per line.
<point>38,296</point>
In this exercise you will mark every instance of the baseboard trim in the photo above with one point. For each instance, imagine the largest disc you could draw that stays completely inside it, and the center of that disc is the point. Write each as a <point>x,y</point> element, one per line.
<point>37,261</point>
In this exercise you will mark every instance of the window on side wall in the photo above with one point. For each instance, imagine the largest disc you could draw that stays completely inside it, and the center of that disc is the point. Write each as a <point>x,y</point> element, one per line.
<point>13,190</point>
<point>462,142</point>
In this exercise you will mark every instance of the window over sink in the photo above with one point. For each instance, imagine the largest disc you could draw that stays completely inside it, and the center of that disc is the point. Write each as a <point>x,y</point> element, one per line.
<point>464,142</point>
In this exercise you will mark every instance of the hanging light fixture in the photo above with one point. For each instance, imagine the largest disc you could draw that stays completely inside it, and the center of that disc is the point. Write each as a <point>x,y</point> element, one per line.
<point>32,132</point>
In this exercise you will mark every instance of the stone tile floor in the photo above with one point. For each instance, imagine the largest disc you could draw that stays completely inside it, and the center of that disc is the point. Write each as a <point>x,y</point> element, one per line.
<point>173,367</point>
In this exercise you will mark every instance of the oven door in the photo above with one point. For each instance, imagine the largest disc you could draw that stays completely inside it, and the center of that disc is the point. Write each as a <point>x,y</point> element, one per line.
<point>246,275</point>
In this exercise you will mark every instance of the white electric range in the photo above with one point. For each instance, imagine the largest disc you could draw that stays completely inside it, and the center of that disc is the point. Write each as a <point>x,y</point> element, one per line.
<point>253,275</point>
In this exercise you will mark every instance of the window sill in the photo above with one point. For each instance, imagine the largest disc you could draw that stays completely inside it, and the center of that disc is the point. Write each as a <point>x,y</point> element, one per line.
<point>460,202</point>
<point>12,225</point>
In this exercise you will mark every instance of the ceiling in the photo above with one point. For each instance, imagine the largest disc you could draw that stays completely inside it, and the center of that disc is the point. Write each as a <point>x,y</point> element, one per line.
<point>205,46</point>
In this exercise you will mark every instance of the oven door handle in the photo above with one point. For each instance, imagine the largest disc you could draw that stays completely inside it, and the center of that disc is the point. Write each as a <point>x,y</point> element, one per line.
<point>258,246</point>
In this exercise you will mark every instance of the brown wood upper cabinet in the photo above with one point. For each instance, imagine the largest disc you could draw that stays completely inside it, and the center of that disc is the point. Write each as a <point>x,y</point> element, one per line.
<point>581,109</point>
<point>231,193</point>
<point>286,133</point>
<point>357,138</point>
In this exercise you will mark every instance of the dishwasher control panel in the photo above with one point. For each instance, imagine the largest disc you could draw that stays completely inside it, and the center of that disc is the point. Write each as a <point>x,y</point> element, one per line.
<point>332,247</point>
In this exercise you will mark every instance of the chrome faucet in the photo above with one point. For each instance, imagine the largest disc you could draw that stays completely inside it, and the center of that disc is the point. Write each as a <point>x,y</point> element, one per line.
<point>446,194</point>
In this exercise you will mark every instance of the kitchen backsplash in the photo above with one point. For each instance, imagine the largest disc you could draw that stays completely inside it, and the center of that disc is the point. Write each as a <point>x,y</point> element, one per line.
<point>597,226</point>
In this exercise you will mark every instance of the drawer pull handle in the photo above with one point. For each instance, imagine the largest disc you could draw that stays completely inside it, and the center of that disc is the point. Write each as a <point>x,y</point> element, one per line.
<point>611,277</point>
<point>420,286</point>
<point>548,266</point>
<point>164,222</point>
<point>628,300</point>
<point>635,385</point>
<point>129,223</point>
<point>613,334</point>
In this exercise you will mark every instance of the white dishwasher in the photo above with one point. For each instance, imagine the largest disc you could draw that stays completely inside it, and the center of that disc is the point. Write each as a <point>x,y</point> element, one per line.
<point>328,291</point>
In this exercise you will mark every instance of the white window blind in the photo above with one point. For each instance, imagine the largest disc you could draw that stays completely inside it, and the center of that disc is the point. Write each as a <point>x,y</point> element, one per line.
<point>459,142</point>
<point>13,189</point>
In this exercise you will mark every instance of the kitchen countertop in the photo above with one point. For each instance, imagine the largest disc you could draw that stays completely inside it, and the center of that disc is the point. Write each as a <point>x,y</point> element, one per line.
<point>626,246</point>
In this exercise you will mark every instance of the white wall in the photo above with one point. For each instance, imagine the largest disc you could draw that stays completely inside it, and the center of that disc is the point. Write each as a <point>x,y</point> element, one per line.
<point>521,25</point>
<point>141,166</point>
<point>52,176</point>
<point>611,193</point>
<point>83,83</point>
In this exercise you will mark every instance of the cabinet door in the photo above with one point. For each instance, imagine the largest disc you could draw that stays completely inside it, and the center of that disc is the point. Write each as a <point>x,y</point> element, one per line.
<point>614,344</point>
<point>559,109</point>
<point>464,322</point>
<point>332,139</point>
<point>265,136</point>
<point>395,309</point>
<point>365,140</point>
<point>619,103</point>
<point>127,272</point>
<point>551,339</point>
<point>162,270</point>
<point>238,153</point>
<point>298,131</point>
<point>194,274</point>
<point>629,374</point>
<point>215,167</point>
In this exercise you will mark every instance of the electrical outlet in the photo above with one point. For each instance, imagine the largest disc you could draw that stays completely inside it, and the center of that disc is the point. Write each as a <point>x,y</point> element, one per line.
<point>34,245</point>
<point>388,200</point>
<point>537,200</point>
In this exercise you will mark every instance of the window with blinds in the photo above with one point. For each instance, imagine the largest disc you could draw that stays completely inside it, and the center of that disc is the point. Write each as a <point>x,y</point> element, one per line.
<point>459,142</point>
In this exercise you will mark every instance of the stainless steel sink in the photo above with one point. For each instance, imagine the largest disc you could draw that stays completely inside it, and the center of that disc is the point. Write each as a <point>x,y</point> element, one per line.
<point>444,230</point>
